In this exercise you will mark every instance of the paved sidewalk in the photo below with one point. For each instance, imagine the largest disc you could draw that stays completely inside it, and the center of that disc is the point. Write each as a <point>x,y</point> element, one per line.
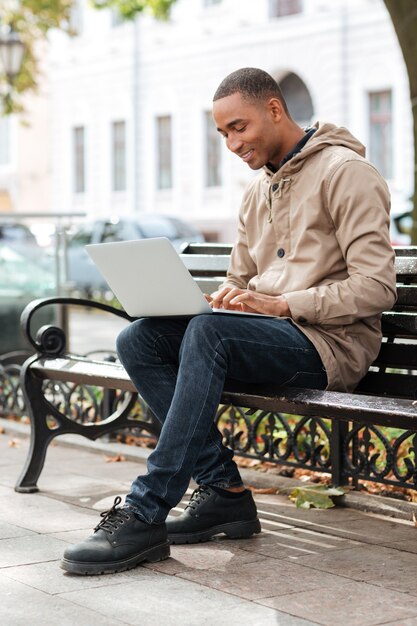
<point>336,567</point>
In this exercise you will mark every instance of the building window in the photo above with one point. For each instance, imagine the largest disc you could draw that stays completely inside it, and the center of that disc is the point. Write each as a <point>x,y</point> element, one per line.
<point>79,159</point>
<point>4,140</point>
<point>119,155</point>
<point>116,18</point>
<point>213,152</point>
<point>380,131</point>
<point>164,152</point>
<point>282,8</point>
<point>298,99</point>
<point>76,21</point>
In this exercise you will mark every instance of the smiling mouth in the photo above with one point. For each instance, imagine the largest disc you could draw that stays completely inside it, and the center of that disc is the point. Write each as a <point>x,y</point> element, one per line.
<point>247,155</point>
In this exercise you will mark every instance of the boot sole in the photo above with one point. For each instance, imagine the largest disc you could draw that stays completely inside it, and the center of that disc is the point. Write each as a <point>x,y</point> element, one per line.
<point>151,555</point>
<point>233,530</point>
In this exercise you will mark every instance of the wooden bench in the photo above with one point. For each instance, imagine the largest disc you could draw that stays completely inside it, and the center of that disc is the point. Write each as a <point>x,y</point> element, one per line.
<point>387,396</point>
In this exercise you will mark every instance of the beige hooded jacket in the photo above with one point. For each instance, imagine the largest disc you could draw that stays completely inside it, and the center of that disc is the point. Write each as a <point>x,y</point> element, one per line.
<point>317,231</point>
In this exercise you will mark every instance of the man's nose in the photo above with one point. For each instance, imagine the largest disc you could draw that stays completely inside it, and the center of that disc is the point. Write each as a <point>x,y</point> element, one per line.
<point>234,143</point>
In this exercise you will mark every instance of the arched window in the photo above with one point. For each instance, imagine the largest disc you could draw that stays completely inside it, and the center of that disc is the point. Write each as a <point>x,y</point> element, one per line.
<point>298,98</point>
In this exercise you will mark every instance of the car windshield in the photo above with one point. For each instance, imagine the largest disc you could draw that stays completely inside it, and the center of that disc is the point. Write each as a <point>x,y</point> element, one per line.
<point>16,233</point>
<point>19,273</point>
<point>153,226</point>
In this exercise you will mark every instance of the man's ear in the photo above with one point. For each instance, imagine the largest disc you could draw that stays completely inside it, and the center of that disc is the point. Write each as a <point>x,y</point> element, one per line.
<point>276,109</point>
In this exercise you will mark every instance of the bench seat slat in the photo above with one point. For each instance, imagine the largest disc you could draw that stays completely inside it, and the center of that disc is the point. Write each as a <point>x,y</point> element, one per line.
<point>388,411</point>
<point>392,412</point>
<point>84,371</point>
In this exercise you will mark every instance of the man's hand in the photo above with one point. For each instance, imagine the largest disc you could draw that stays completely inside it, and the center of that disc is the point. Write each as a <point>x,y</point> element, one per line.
<point>249,301</point>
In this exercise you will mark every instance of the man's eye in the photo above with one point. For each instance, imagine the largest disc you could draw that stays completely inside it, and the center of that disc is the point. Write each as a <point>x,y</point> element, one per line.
<point>240,130</point>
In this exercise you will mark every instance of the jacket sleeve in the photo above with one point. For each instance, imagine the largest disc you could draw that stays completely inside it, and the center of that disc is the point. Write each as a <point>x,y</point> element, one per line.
<point>358,203</point>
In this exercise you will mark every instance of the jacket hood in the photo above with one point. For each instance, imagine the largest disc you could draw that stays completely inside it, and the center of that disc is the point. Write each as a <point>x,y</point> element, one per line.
<point>326,135</point>
<point>331,135</point>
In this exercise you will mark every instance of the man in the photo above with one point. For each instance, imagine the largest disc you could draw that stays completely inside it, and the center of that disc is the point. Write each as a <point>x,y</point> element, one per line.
<point>313,249</point>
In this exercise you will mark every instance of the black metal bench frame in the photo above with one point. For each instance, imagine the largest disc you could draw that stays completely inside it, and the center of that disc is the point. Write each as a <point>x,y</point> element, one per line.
<point>386,396</point>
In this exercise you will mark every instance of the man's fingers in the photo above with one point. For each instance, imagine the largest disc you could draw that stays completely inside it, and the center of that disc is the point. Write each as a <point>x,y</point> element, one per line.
<point>249,301</point>
<point>221,299</point>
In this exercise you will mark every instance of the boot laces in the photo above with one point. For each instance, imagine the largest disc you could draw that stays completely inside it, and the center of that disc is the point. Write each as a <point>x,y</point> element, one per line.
<point>197,497</point>
<point>113,517</point>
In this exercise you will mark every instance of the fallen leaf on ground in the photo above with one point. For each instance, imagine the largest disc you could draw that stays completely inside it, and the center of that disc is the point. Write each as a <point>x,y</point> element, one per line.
<point>263,489</point>
<point>14,443</point>
<point>243,462</point>
<point>317,496</point>
<point>115,459</point>
<point>414,520</point>
<point>2,430</point>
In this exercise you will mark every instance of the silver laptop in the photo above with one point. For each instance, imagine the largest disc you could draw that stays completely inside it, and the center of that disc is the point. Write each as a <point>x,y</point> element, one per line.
<point>149,279</point>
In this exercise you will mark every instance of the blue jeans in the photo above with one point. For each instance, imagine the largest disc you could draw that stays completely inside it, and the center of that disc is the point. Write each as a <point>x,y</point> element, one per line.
<point>180,367</point>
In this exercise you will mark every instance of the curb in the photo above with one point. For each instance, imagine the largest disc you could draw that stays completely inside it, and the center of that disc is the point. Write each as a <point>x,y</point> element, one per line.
<point>378,505</point>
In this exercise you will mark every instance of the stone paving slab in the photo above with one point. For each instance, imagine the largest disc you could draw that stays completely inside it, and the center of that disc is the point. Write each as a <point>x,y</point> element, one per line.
<point>412,621</point>
<point>356,604</point>
<point>43,514</point>
<point>33,549</point>
<point>339,566</point>
<point>166,595</point>
<point>8,531</point>
<point>22,605</point>
<point>385,567</point>
<point>270,578</point>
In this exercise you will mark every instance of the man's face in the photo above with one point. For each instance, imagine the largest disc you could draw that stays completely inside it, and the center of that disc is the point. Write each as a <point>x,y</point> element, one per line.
<point>249,128</point>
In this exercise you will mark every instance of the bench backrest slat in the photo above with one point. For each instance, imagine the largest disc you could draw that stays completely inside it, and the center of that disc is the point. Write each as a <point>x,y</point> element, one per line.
<point>389,384</point>
<point>401,355</point>
<point>206,265</point>
<point>406,267</point>
<point>409,251</point>
<point>399,324</point>
<point>406,296</point>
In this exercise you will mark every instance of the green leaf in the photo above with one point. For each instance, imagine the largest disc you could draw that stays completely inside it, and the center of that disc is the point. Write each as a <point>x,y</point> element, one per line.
<point>317,496</point>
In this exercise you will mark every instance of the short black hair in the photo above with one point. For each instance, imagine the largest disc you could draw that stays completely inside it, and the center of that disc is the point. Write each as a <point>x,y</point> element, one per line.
<point>252,83</point>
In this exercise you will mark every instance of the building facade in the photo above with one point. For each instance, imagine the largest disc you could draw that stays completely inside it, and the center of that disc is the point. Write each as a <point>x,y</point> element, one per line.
<point>130,102</point>
<point>25,151</point>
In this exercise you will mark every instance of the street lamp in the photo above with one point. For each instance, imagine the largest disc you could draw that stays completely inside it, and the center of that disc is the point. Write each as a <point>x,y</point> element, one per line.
<point>11,54</point>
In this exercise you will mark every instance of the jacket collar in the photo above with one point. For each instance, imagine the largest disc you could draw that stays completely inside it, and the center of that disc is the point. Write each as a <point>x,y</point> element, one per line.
<point>309,132</point>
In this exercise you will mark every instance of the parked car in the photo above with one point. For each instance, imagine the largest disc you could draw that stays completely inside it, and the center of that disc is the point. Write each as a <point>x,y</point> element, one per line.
<point>21,281</point>
<point>19,237</point>
<point>82,273</point>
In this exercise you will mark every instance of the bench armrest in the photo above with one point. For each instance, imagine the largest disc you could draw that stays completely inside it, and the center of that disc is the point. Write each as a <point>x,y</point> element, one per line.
<point>51,339</point>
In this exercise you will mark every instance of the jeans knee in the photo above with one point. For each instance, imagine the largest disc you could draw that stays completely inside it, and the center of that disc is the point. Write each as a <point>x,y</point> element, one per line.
<point>123,341</point>
<point>203,334</point>
<point>200,326</point>
<point>130,339</point>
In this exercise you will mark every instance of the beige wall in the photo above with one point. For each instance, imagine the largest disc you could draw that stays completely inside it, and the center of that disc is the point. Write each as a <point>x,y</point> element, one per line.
<point>25,182</point>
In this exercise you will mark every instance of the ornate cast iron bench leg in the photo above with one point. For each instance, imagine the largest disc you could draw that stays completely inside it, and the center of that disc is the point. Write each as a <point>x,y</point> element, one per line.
<point>41,435</point>
<point>42,411</point>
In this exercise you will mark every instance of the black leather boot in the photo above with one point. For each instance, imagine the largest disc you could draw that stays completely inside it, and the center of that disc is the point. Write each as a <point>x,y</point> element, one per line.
<point>120,542</point>
<point>208,514</point>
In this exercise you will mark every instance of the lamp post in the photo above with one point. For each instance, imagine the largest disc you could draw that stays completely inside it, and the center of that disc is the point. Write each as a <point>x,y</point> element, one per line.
<point>11,54</point>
